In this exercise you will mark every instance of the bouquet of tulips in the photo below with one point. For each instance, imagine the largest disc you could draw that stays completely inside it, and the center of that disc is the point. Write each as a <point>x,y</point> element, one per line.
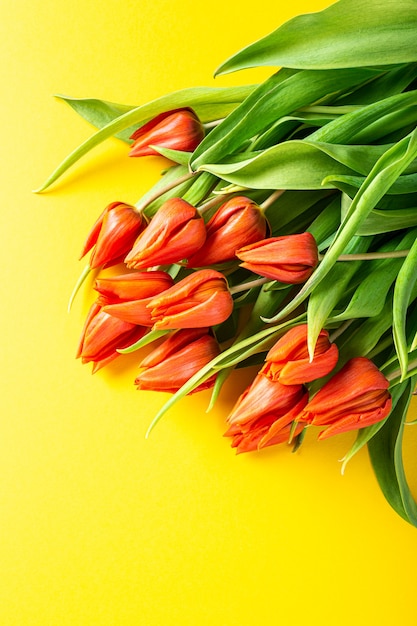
<point>281,235</point>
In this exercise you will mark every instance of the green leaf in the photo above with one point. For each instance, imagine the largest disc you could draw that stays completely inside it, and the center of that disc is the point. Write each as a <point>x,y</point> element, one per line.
<point>280,95</point>
<point>404,285</point>
<point>366,124</point>
<point>385,451</point>
<point>376,32</point>
<point>207,103</point>
<point>330,290</point>
<point>99,113</point>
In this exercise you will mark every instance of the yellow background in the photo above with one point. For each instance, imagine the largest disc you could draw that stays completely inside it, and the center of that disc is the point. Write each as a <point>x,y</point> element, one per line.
<point>98,526</point>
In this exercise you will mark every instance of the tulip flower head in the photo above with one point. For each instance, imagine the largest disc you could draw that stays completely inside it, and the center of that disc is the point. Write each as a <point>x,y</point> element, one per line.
<point>177,359</point>
<point>179,129</point>
<point>200,299</point>
<point>113,234</point>
<point>263,415</point>
<point>103,335</point>
<point>288,360</point>
<point>355,397</point>
<point>127,296</point>
<point>238,222</point>
<point>176,231</point>
<point>289,259</point>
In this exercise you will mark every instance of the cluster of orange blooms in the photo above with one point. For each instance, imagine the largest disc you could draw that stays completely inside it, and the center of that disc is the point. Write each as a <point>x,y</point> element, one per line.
<point>145,297</point>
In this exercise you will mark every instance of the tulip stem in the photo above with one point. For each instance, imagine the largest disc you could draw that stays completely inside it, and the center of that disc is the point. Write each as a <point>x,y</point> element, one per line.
<point>212,124</point>
<point>249,285</point>
<point>271,199</point>
<point>160,192</point>
<point>369,256</point>
<point>210,204</point>
<point>335,334</point>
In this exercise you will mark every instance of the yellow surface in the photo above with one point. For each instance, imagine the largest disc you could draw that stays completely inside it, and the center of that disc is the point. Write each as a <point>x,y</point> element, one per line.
<point>98,526</point>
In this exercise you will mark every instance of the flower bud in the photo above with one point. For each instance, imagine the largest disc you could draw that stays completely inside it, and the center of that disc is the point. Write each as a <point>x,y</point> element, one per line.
<point>238,222</point>
<point>177,359</point>
<point>289,259</point>
<point>127,296</point>
<point>355,397</point>
<point>103,335</point>
<point>179,129</point>
<point>288,360</point>
<point>176,231</point>
<point>264,413</point>
<point>113,234</point>
<point>200,299</point>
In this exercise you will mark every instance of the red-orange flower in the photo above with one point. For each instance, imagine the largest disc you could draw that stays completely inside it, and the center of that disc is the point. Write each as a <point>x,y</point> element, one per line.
<point>238,222</point>
<point>176,231</point>
<point>177,359</point>
<point>288,360</point>
<point>179,129</point>
<point>113,234</point>
<point>289,259</point>
<point>126,296</point>
<point>355,397</point>
<point>263,415</point>
<point>200,299</point>
<point>103,335</point>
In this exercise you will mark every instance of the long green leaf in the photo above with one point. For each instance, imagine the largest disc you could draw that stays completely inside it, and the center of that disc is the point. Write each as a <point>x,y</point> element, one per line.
<point>298,164</point>
<point>201,99</point>
<point>332,288</point>
<point>404,285</point>
<point>346,34</point>
<point>385,451</point>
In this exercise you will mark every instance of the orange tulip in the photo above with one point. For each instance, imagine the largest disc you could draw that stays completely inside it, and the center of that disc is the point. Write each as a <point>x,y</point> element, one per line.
<point>200,299</point>
<point>176,231</point>
<point>113,234</point>
<point>289,259</point>
<point>103,335</point>
<point>355,397</point>
<point>177,359</point>
<point>179,129</point>
<point>126,296</point>
<point>288,360</point>
<point>238,222</point>
<point>263,415</point>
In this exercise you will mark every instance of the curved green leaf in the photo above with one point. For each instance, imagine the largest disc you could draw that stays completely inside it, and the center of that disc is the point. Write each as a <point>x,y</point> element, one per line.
<point>404,285</point>
<point>376,32</point>
<point>204,100</point>
<point>385,451</point>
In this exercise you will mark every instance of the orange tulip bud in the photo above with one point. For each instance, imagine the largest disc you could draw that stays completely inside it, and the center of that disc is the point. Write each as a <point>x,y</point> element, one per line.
<point>238,222</point>
<point>113,234</point>
<point>176,231</point>
<point>355,397</point>
<point>289,259</point>
<point>288,360</point>
<point>126,296</point>
<point>263,414</point>
<point>200,299</point>
<point>179,129</point>
<point>177,359</point>
<point>103,335</point>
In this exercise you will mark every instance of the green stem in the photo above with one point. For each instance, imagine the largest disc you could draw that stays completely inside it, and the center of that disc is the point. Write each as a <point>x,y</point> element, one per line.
<point>257,282</point>
<point>271,199</point>
<point>370,256</point>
